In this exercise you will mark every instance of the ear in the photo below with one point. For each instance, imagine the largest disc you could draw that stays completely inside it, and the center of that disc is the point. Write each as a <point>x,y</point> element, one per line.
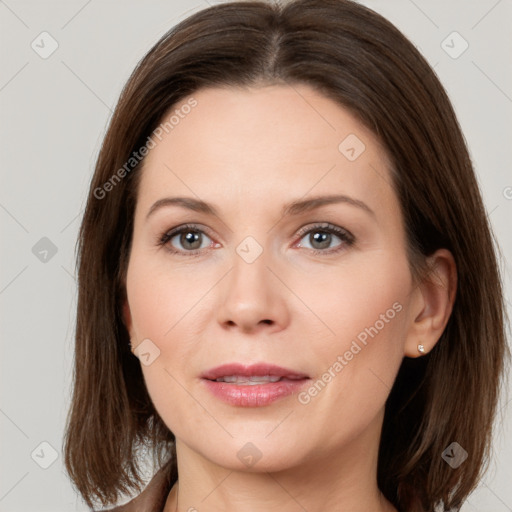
<point>432,303</point>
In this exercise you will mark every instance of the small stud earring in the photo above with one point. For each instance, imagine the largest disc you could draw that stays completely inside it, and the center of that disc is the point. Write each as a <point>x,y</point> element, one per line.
<point>421,349</point>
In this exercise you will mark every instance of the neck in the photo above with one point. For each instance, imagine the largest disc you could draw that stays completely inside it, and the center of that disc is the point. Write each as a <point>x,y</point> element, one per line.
<point>331,482</point>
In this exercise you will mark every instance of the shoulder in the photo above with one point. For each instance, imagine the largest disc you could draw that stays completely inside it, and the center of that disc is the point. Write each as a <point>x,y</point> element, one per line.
<point>152,498</point>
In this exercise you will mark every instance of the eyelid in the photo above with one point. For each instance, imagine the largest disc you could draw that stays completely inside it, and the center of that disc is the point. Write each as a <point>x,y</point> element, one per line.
<point>192,226</point>
<point>328,227</point>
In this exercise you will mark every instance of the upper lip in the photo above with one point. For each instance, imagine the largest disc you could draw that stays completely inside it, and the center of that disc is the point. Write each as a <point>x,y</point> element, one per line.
<point>252,370</point>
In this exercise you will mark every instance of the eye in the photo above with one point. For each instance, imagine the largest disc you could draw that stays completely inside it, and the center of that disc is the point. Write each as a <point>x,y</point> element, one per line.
<point>189,236</point>
<point>320,237</point>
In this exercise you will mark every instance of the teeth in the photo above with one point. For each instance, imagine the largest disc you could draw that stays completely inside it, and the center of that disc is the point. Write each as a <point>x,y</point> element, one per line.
<point>248,381</point>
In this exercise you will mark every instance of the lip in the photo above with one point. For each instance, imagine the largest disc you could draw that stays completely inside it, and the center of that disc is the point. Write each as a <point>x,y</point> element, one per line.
<point>252,370</point>
<point>257,395</point>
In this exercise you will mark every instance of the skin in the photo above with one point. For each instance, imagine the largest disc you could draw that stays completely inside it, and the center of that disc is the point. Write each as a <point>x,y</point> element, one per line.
<point>249,152</point>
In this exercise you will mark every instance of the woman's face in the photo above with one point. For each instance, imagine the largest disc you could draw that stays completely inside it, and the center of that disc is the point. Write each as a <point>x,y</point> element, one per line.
<point>318,293</point>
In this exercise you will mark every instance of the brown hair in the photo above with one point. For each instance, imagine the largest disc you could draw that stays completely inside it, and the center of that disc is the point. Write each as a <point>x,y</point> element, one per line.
<point>360,60</point>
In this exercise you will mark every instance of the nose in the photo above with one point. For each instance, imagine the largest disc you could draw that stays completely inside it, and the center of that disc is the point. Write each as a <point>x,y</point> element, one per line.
<point>253,298</point>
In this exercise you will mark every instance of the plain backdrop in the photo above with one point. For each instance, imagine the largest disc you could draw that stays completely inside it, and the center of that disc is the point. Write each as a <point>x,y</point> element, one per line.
<point>54,112</point>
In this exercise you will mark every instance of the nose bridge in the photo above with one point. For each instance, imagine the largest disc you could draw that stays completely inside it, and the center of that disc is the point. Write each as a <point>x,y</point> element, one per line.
<point>250,274</point>
<point>252,296</point>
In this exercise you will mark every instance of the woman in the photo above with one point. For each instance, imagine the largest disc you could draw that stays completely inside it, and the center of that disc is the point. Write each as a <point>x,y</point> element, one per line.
<point>338,315</point>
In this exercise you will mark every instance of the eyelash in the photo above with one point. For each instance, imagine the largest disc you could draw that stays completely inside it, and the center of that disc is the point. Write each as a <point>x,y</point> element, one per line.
<point>347,238</point>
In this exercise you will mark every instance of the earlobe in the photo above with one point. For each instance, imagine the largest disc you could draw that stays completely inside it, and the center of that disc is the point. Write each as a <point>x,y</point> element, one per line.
<point>438,290</point>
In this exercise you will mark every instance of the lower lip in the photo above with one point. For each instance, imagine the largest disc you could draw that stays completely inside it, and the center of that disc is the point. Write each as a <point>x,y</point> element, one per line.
<point>257,395</point>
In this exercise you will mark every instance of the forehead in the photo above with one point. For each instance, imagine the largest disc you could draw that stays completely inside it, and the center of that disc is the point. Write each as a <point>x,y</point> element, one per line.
<point>271,143</point>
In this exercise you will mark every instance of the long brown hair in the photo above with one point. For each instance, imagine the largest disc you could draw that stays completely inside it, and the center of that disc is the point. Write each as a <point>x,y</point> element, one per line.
<point>360,60</point>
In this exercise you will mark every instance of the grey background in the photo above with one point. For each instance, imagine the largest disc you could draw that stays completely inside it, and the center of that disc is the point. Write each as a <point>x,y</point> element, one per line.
<point>54,112</point>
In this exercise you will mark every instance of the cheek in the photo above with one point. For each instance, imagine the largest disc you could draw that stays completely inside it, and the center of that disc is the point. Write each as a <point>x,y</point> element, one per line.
<point>158,298</point>
<point>363,300</point>
<point>160,315</point>
<point>357,358</point>
<point>162,311</point>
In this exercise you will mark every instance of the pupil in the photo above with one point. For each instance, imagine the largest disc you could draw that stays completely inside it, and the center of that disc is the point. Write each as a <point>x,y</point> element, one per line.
<point>323,238</point>
<point>191,237</point>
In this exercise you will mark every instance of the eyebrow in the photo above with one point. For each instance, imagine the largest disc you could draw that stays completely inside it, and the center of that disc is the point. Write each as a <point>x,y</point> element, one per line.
<point>294,208</point>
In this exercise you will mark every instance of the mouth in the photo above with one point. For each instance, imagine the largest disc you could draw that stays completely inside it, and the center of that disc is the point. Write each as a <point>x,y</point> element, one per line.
<point>241,380</point>
<point>254,385</point>
<point>254,373</point>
